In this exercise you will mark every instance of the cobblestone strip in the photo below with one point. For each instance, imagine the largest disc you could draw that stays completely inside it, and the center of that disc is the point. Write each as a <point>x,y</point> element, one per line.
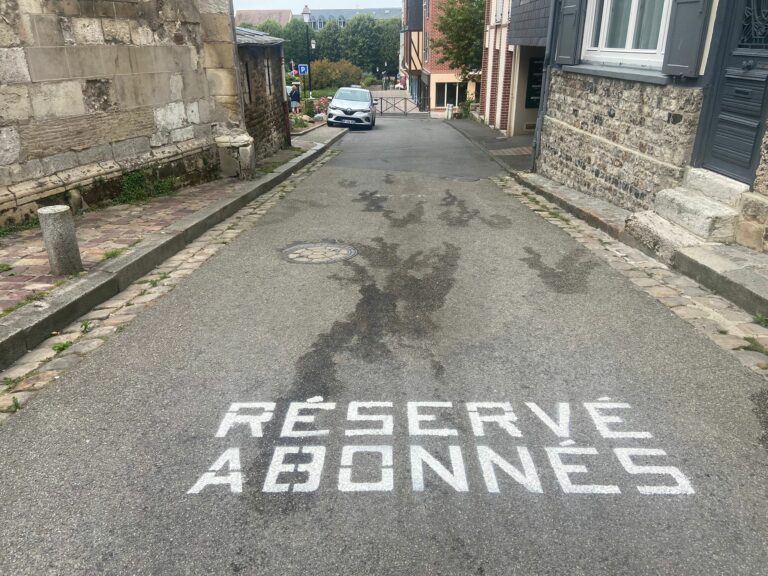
<point>724,323</point>
<point>65,349</point>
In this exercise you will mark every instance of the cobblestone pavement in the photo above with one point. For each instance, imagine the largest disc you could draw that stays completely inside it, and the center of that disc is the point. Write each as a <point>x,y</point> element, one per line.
<point>724,323</point>
<point>63,350</point>
<point>99,232</point>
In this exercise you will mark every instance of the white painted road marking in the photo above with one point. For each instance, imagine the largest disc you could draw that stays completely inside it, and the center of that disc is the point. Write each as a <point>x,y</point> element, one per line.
<point>576,469</point>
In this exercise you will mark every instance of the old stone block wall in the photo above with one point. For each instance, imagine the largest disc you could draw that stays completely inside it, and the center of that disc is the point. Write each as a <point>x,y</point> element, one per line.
<point>761,181</point>
<point>266,108</point>
<point>92,88</point>
<point>618,140</point>
<point>752,228</point>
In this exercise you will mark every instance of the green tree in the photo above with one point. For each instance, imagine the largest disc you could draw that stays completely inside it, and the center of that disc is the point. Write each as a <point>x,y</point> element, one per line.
<point>329,42</point>
<point>271,27</point>
<point>360,42</point>
<point>460,44</point>
<point>295,35</point>
<point>388,32</point>
<point>327,74</point>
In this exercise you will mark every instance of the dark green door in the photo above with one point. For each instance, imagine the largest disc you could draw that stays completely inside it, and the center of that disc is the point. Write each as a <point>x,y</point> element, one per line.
<point>741,95</point>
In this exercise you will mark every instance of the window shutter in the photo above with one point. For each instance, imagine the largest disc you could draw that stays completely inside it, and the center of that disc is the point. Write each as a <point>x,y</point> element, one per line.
<point>685,39</point>
<point>569,32</point>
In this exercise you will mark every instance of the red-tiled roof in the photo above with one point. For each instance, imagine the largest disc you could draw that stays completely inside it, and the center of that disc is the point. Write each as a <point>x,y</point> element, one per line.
<point>282,17</point>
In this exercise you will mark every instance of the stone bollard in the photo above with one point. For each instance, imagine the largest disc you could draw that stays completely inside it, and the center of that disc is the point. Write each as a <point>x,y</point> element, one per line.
<point>58,228</point>
<point>236,153</point>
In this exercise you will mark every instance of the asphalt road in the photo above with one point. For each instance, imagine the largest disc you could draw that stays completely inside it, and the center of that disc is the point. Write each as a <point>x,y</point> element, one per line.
<point>458,295</point>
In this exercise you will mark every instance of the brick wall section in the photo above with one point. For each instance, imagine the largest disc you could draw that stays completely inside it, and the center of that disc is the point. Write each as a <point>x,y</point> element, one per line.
<point>96,81</point>
<point>484,79</point>
<point>265,106</point>
<point>41,138</point>
<point>494,87</point>
<point>430,25</point>
<point>619,140</point>
<point>505,91</point>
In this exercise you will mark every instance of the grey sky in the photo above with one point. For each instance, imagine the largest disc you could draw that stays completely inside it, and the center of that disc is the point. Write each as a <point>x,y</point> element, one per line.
<point>297,5</point>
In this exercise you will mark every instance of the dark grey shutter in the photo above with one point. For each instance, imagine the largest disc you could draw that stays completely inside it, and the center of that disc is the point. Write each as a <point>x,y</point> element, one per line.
<point>685,39</point>
<point>569,32</point>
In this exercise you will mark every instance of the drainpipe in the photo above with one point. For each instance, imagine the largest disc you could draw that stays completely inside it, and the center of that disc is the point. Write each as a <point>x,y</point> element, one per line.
<point>286,103</point>
<point>548,57</point>
<point>238,80</point>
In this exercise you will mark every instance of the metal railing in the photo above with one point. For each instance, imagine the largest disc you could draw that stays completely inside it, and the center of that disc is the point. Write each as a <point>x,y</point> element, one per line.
<point>402,105</point>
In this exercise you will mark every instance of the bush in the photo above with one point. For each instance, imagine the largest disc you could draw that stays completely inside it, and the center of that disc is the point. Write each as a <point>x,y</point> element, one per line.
<point>368,80</point>
<point>327,74</point>
<point>465,107</point>
<point>308,108</point>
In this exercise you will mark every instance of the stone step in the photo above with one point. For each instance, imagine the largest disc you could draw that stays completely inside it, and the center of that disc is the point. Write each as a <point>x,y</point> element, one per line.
<point>656,236</point>
<point>697,213</point>
<point>715,186</point>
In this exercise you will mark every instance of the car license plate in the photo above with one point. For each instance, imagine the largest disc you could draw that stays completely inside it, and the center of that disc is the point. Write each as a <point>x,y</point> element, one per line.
<point>345,121</point>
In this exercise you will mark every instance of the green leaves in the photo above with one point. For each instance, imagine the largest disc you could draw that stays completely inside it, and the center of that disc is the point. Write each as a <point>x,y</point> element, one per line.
<point>460,44</point>
<point>364,41</point>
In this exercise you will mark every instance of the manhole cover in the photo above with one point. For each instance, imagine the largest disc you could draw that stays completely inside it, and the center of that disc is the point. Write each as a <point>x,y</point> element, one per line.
<point>318,253</point>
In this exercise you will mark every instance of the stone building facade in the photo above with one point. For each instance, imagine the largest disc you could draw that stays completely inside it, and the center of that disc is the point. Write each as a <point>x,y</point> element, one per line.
<point>661,109</point>
<point>90,90</point>
<point>265,102</point>
<point>617,139</point>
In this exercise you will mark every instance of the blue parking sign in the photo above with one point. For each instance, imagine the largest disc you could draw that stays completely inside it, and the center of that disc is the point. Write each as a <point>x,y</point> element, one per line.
<point>303,69</point>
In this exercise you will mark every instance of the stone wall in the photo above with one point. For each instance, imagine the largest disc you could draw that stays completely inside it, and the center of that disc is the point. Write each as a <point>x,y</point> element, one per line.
<point>92,88</point>
<point>618,140</point>
<point>266,108</point>
<point>761,182</point>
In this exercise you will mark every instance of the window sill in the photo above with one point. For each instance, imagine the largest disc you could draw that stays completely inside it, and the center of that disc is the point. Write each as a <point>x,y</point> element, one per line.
<point>621,73</point>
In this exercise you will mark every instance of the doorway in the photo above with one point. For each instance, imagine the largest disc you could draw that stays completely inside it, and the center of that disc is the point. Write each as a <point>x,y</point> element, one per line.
<point>737,123</point>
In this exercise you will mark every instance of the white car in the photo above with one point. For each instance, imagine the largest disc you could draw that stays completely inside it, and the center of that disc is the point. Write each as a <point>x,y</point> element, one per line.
<point>352,107</point>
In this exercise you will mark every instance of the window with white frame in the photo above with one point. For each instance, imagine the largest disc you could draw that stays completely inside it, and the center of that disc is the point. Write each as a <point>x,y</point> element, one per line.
<point>499,11</point>
<point>630,32</point>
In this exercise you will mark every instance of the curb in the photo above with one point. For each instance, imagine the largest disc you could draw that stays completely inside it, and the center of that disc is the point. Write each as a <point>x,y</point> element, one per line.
<point>480,146</point>
<point>308,130</point>
<point>26,328</point>
<point>735,273</point>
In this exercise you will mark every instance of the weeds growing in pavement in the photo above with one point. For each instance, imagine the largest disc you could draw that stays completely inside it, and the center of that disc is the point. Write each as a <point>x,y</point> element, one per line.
<point>27,224</point>
<point>86,326</point>
<point>754,346</point>
<point>11,383</point>
<point>155,281</point>
<point>31,298</point>
<point>5,267</point>
<point>109,254</point>
<point>761,320</point>
<point>14,407</point>
<point>59,347</point>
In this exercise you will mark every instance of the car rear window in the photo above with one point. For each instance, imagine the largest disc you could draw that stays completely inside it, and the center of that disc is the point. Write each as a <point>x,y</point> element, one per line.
<point>354,95</point>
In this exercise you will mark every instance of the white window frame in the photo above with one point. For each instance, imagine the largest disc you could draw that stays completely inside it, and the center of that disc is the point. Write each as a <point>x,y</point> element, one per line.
<point>623,56</point>
<point>499,11</point>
